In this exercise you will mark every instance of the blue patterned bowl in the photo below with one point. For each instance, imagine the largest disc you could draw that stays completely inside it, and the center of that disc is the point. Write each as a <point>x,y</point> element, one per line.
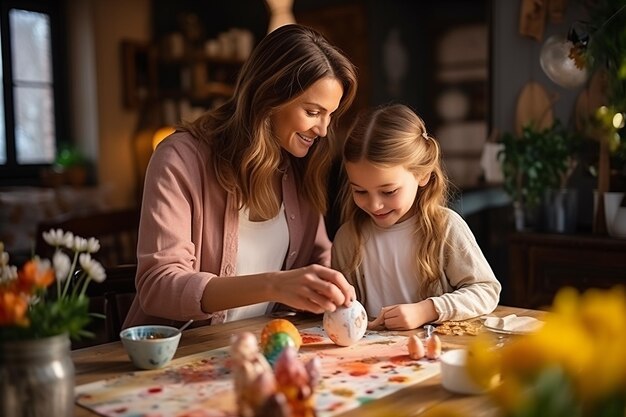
<point>150,346</point>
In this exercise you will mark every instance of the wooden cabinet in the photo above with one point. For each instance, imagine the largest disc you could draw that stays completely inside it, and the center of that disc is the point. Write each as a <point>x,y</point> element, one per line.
<point>198,78</point>
<point>540,264</point>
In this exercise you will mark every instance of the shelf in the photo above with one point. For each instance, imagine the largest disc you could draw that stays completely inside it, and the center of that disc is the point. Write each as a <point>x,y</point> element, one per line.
<point>198,78</point>
<point>213,89</point>
<point>152,76</point>
<point>200,58</point>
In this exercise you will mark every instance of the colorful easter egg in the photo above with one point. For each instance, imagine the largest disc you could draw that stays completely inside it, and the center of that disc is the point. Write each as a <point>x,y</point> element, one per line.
<point>346,325</point>
<point>275,345</point>
<point>281,325</point>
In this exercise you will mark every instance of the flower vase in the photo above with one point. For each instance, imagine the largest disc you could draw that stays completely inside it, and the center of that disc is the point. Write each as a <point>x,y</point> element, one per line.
<point>560,210</point>
<point>612,207</point>
<point>36,377</point>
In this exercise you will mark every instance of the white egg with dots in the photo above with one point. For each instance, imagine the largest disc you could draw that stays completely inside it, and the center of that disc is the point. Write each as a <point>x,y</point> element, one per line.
<point>346,325</point>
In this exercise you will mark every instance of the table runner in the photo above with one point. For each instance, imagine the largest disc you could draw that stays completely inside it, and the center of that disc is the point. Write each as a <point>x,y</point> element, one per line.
<point>200,385</point>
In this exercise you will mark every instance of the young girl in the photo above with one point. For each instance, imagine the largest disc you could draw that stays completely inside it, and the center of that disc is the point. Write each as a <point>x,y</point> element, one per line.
<point>411,259</point>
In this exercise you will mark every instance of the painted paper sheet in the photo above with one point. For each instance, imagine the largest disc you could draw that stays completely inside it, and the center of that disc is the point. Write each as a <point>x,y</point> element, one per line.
<point>201,385</point>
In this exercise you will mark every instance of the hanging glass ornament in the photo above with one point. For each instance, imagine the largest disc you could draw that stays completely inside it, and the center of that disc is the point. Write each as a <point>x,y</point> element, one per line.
<point>562,61</point>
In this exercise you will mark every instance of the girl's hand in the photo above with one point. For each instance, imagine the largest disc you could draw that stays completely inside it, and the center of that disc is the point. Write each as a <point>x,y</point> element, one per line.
<point>313,288</point>
<point>404,316</point>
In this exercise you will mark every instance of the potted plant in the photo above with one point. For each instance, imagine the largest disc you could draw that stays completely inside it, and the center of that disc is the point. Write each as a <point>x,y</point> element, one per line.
<point>73,165</point>
<point>606,127</point>
<point>537,167</point>
<point>36,324</point>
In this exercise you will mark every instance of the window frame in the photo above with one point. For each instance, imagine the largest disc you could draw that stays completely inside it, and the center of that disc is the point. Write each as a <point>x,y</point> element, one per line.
<point>11,172</point>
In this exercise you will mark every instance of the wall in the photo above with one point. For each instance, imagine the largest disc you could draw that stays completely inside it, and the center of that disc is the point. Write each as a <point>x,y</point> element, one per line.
<point>516,61</point>
<point>104,128</point>
<point>99,122</point>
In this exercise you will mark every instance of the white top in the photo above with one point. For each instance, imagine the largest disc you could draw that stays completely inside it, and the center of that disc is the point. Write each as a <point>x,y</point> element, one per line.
<point>467,286</point>
<point>398,285</point>
<point>254,258</point>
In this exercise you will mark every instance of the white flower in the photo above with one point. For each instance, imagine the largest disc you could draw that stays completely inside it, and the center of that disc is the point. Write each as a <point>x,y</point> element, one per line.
<point>79,244</point>
<point>62,264</point>
<point>55,238</point>
<point>93,245</point>
<point>42,265</point>
<point>7,273</point>
<point>92,267</point>
<point>4,258</point>
<point>68,240</point>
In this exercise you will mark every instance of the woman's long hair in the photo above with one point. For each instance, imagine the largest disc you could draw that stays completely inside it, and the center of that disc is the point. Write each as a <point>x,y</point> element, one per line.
<point>392,136</point>
<point>246,153</point>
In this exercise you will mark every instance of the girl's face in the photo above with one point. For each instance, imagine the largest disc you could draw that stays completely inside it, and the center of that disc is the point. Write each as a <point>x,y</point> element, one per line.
<point>300,122</point>
<point>386,194</point>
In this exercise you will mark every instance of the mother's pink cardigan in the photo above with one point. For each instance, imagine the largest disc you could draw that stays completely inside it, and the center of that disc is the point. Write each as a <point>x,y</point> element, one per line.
<point>188,234</point>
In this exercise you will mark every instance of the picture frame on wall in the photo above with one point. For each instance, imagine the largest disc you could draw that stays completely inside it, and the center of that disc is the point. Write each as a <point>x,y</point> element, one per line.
<point>139,73</point>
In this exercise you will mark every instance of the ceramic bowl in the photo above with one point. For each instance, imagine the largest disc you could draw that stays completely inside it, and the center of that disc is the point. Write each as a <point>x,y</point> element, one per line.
<point>454,375</point>
<point>150,346</point>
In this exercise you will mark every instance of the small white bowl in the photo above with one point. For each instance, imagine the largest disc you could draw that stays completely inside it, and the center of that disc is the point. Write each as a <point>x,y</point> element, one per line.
<point>454,375</point>
<point>150,346</point>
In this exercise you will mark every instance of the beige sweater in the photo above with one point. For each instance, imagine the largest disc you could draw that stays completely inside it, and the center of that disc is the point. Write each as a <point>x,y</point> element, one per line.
<point>467,285</point>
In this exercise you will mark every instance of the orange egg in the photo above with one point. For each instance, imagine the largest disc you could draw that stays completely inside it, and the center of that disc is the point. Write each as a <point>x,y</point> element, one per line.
<point>416,347</point>
<point>281,325</point>
<point>433,346</point>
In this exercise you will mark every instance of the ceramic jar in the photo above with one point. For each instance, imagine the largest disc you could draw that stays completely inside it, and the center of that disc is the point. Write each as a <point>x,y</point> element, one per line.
<point>36,378</point>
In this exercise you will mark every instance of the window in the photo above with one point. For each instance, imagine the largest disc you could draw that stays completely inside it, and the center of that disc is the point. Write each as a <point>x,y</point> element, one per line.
<point>29,97</point>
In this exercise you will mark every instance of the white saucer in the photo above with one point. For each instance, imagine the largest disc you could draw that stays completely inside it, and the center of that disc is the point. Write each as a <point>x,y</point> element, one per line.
<point>531,324</point>
<point>503,331</point>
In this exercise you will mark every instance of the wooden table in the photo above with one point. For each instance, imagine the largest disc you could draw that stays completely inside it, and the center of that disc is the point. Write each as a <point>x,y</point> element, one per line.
<point>110,360</point>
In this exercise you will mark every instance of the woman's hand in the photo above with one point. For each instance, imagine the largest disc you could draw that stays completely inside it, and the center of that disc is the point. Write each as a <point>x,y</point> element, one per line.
<point>313,288</point>
<point>405,316</point>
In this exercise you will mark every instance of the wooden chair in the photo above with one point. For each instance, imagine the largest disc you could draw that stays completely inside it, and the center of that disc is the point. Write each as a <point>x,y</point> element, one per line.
<point>117,232</point>
<point>119,294</point>
<point>112,298</point>
<point>116,229</point>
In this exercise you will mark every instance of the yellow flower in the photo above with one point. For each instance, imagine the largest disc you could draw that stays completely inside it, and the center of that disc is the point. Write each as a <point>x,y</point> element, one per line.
<point>603,313</point>
<point>575,361</point>
<point>511,394</point>
<point>483,363</point>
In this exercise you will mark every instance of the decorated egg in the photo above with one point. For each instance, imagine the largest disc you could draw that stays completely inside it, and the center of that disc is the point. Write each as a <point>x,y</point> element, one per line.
<point>280,325</point>
<point>346,325</point>
<point>276,343</point>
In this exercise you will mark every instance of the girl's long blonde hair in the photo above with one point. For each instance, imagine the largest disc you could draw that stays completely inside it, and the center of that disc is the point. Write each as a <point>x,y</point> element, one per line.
<point>390,136</point>
<point>246,155</point>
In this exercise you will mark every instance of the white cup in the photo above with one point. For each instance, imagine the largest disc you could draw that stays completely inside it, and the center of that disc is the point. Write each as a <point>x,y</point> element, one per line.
<point>454,375</point>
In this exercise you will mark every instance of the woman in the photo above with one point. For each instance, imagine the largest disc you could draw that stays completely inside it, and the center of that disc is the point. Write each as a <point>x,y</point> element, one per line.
<point>232,210</point>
